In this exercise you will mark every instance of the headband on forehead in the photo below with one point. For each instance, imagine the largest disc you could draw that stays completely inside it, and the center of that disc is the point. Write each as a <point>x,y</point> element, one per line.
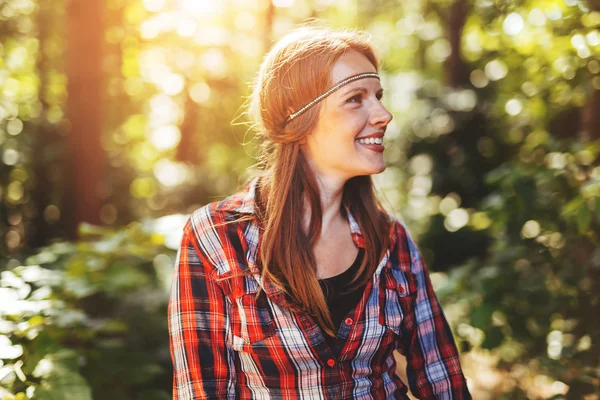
<point>327,93</point>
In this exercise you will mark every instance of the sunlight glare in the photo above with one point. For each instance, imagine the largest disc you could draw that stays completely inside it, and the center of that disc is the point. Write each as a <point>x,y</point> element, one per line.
<point>555,344</point>
<point>536,17</point>
<point>149,29</point>
<point>212,36</point>
<point>166,137</point>
<point>496,70</point>
<point>246,45</point>
<point>421,164</point>
<point>163,110</point>
<point>456,219</point>
<point>420,185</point>
<point>530,229</point>
<point>184,59</point>
<point>214,61</point>
<point>171,174</point>
<point>244,20</point>
<point>584,52</point>
<point>513,24</point>
<point>153,5</point>
<point>449,203</point>
<point>172,84</point>
<point>593,38</point>
<point>283,3</point>
<point>200,92</point>
<point>187,27</point>
<point>202,7</point>
<point>554,13</point>
<point>478,79</point>
<point>513,107</point>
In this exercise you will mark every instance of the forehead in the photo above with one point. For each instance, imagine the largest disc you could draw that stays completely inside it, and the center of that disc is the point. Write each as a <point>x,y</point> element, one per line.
<point>351,63</point>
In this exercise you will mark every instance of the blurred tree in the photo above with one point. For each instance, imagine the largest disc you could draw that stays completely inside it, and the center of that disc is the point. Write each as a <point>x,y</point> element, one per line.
<point>524,128</point>
<point>187,150</point>
<point>268,26</point>
<point>48,143</point>
<point>492,161</point>
<point>454,18</point>
<point>590,116</point>
<point>85,109</point>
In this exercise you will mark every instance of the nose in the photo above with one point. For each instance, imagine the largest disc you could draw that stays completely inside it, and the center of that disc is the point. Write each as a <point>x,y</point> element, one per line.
<point>380,116</point>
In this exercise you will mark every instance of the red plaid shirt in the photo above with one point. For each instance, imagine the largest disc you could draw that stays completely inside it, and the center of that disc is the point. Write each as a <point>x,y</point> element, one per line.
<point>225,343</point>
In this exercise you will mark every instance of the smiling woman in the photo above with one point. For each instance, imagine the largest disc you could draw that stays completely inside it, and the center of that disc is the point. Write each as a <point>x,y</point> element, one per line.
<point>301,285</point>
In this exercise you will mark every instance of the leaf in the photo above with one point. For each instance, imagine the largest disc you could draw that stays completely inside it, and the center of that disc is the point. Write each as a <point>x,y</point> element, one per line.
<point>493,338</point>
<point>572,206</point>
<point>126,277</point>
<point>154,395</point>
<point>60,379</point>
<point>584,218</point>
<point>482,316</point>
<point>64,384</point>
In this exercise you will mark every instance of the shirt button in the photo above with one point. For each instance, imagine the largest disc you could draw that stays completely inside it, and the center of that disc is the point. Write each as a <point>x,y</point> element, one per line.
<point>348,321</point>
<point>401,289</point>
<point>331,362</point>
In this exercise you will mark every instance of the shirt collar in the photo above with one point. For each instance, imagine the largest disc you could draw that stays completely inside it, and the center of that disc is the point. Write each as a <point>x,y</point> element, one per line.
<point>244,203</point>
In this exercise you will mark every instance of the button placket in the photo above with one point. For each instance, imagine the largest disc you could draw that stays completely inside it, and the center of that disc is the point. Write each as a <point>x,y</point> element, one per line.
<point>401,289</point>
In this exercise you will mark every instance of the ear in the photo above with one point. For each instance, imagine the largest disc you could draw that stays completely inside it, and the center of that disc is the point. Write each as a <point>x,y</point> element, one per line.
<point>302,141</point>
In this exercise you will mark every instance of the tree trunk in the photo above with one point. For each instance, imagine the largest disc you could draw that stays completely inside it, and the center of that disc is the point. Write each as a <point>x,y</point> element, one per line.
<point>268,28</point>
<point>84,111</point>
<point>590,112</point>
<point>46,143</point>
<point>590,117</point>
<point>456,70</point>
<point>187,150</point>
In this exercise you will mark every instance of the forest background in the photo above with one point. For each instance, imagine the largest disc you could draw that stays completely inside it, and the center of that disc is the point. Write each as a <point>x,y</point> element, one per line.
<point>118,118</point>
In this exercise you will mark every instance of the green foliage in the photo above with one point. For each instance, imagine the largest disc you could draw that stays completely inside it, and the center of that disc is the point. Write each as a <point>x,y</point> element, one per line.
<point>88,320</point>
<point>504,186</point>
<point>498,175</point>
<point>536,295</point>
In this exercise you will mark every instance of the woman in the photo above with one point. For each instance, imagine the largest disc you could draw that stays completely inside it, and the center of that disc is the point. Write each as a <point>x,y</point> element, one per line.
<point>301,285</point>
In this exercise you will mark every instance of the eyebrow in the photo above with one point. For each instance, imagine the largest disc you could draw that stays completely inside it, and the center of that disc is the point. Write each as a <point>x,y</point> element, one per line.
<point>358,89</point>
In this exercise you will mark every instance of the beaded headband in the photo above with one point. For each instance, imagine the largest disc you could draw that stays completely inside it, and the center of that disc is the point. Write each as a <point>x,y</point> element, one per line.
<point>327,93</point>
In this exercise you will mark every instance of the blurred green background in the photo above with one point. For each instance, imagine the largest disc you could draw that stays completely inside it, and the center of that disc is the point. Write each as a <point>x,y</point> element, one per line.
<point>118,118</point>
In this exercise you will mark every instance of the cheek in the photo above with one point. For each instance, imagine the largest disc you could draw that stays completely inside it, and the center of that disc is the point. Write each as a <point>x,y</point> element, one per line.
<point>354,123</point>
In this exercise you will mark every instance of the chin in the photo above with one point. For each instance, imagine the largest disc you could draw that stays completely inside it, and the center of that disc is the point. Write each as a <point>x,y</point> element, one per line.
<point>373,170</point>
<point>378,169</point>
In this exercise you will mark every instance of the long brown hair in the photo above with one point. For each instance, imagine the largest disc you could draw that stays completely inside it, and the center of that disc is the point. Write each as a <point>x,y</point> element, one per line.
<point>296,70</point>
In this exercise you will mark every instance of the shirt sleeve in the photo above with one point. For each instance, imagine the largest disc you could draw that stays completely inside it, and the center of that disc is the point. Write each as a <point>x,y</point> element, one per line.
<point>198,324</point>
<point>433,364</point>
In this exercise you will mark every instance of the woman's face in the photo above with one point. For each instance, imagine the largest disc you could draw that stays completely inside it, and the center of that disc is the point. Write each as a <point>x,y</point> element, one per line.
<point>340,146</point>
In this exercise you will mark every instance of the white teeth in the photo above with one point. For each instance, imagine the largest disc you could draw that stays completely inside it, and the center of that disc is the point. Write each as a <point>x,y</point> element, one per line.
<point>371,141</point>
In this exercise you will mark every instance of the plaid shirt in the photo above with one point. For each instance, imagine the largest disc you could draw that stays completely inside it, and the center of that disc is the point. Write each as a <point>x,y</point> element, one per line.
<point>225,343</point>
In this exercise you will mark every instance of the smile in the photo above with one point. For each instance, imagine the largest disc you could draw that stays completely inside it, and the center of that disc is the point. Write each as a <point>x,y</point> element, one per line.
<point>371,140</point>
<point>374,144</point>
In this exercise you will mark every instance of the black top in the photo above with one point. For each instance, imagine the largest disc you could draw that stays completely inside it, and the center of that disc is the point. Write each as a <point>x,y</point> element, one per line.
<point>340,303</point>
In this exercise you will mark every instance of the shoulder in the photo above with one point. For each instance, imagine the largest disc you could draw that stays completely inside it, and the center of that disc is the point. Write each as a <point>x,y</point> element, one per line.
<point>222,213</point>
<point>216,214</point>
<point>396,226</point>
<point>215,229</point>
<point>401,237</point>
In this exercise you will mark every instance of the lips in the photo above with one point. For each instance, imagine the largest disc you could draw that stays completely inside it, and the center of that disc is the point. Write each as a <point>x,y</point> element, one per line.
<point>373,135</point>
<point>379,148</point>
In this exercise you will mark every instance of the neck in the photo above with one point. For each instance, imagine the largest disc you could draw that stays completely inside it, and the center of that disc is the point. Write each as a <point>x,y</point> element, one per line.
<point>331,191</point>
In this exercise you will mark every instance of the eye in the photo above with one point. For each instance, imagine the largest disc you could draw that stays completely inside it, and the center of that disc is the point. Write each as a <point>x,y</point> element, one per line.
<point>357,98</point>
